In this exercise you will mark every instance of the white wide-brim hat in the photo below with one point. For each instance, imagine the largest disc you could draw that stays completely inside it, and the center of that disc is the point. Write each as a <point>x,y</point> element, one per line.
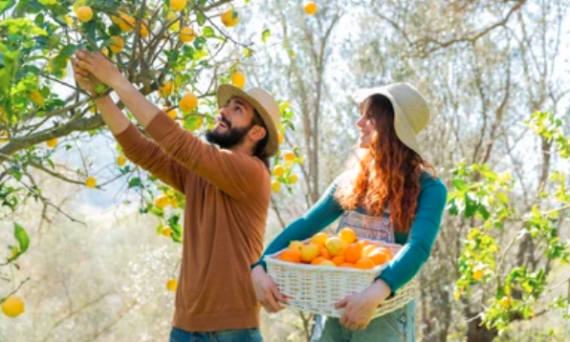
<point>411,111</point>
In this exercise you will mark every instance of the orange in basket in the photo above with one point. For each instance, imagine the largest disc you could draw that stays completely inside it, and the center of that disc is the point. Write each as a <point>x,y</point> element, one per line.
<point>290,255</point>
<point>380,256</point>
<point>364,264</point>
<point>317,260</point>
<point>353,253</point>
<point>338,260</point>
<point>325,253</point>
<point>347,235</point>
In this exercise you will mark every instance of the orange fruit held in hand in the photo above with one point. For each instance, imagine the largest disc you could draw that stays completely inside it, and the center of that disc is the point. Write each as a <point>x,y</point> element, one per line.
<point>364,264</point>
<point>347,235</point>
<point>290,255</point>
<point>353,253</point>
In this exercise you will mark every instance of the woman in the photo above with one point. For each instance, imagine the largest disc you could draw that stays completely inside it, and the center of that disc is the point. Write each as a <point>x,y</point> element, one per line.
<point>392,195</point>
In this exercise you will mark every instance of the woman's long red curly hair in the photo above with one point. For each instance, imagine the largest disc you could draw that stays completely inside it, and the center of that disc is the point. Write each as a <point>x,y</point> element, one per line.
<point>388,174</point>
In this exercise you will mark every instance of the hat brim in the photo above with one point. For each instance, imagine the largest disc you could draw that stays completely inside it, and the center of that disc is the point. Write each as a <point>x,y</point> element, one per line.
<point>227,92</point>
<point>403,127</point>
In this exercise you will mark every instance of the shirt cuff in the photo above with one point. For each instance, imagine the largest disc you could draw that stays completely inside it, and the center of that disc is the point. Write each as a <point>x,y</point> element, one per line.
<point>160,126</point>
<point>391,282</point>
<point>129,137</point>
<point>260,262</point>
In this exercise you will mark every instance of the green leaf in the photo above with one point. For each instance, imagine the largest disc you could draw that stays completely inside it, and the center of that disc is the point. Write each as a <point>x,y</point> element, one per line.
<point>503,197</point>
<point>4,81</point>
<point>22,5</point>
<point>47,2</point>
<point>69,50</point>
<point>6,5</point>
<point>470,205</point>
<point>199,54</point>
<point>114,30</point>
<point>484,212</point>
<point>16,173</point>
<point>22,237</point>
<point>201,18</point>
<point>199,43</point>
<point>51,163</point>
<point>191,123</point>
<point>39,20</point>
<point>173,220</point>
<point>58,9</point>
<point>135,183</point>
<point>452,208</point>
<point>159,229</point>
<point>91,28</point>
<point>157,211</point>
<point>460,184</point>
<point>208,31</point>
<point>265,34</point>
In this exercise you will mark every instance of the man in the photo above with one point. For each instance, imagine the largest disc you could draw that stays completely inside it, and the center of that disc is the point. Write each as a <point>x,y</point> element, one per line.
<point>227,192</point>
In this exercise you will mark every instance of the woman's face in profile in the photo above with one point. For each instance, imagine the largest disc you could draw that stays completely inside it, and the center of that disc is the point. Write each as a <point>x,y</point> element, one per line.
<point>366,125</point>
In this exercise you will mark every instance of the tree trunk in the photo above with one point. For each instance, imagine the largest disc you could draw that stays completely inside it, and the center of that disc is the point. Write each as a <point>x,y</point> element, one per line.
<point>478,333</point>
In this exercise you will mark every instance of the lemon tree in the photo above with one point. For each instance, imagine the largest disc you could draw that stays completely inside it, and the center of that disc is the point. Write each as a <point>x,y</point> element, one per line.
<point>510,274</point>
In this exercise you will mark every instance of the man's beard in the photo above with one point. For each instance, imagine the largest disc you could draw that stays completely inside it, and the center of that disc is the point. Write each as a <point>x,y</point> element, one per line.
<point>229,139</point>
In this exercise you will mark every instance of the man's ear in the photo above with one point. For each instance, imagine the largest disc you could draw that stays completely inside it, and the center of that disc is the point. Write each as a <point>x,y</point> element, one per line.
<point>257,133</point>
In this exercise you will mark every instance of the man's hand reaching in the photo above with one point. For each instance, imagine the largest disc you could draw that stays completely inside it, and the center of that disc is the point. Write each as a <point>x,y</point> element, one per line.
<point>99,67</point>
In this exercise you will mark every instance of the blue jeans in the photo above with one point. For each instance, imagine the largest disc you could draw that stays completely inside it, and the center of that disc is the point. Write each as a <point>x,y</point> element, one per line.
<point>397,326</point>
<point>246,335</point>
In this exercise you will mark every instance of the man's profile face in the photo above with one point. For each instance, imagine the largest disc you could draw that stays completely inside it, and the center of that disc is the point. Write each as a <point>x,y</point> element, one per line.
<point>232,124</point>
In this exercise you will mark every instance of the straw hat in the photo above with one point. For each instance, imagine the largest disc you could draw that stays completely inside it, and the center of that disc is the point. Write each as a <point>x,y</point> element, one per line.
<point>411,112</point>
<point>265,105</point>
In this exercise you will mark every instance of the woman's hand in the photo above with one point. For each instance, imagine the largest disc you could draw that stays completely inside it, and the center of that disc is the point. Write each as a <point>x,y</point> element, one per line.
<point>266,290</point>
<point>99,67</point>
<point>360,307</point>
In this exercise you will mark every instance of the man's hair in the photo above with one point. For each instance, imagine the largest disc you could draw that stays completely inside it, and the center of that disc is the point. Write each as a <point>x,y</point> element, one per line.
<point>259,148</point>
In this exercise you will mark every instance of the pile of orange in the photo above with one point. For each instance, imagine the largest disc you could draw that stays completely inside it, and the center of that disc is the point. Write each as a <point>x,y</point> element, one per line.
<point>343,250</point>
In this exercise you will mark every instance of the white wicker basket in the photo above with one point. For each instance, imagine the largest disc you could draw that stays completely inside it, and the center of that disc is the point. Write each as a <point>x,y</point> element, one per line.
<point>316,288</point>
